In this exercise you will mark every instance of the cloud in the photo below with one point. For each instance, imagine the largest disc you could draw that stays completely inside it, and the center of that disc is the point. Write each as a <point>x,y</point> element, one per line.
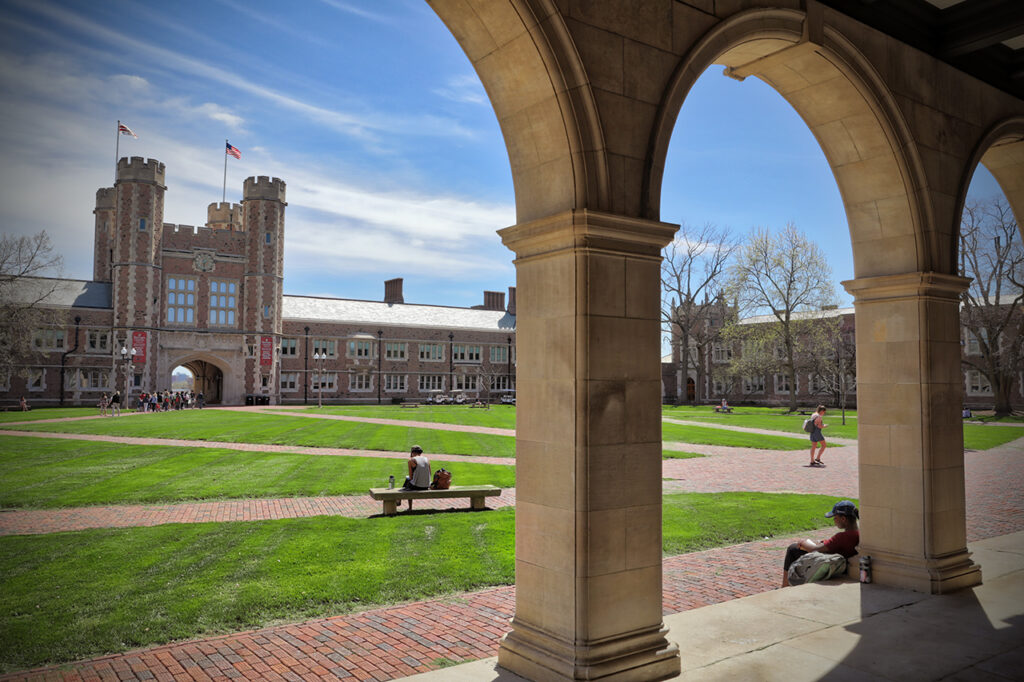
<point>358,11</point>
<point>465,88</point>
<point>210,110</point>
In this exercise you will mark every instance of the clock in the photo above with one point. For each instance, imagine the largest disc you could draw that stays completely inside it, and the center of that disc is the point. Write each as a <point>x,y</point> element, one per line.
<point>203,262</point>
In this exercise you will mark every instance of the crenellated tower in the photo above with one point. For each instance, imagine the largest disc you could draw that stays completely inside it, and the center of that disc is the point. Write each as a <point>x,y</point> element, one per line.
<point>103,245</point>
<point>224,216</point>
<point>263,204</point>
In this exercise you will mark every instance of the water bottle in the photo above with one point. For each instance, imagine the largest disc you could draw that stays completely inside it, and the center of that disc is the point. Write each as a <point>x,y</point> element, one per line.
<point>865,569</point>
<point>391,481</point>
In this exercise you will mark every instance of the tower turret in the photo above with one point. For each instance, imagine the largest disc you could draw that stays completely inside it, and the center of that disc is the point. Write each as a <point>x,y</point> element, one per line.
<point>224,216</point>
<point>263,203</point>
<point>103,245</point>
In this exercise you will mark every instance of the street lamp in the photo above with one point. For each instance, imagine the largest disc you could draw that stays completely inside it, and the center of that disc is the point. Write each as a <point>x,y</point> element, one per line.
<point>451,364</point>
<point>380,357</point>
<point>318,362</point>
<point>127,358</point>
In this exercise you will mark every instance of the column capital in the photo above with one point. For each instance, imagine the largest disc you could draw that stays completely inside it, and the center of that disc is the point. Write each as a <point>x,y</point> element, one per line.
<point>906,285</point>
<point>589,230</point>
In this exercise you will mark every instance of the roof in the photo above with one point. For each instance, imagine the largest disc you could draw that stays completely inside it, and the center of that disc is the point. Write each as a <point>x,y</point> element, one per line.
<point>803,315</point>
<point>378,313</point>
<point>70,293</point>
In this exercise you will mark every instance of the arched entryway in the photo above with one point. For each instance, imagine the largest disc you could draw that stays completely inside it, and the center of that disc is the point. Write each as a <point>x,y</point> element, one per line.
<point>208,379</point>
<point>691,389</point>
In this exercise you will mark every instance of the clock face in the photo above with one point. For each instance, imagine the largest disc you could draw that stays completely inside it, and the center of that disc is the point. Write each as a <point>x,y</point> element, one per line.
<point>203,262</point>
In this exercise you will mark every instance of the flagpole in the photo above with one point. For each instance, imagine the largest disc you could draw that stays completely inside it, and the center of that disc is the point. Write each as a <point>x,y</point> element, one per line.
<point>224,193</point>
<point>117,146</point>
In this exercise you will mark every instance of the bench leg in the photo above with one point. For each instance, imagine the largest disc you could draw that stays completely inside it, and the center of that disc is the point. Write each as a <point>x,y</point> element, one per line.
<point>477,503</point>
<point>390,507</point>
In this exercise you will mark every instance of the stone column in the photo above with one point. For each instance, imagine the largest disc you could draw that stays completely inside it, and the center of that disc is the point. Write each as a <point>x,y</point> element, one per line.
<point>910,437</point>
<point>588,450</point>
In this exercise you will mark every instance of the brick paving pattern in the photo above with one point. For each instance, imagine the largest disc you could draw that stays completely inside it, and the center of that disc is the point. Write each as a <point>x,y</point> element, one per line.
<point>397,641</point>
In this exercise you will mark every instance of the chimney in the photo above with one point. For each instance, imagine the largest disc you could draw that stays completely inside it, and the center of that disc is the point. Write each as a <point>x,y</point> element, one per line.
<point>393,291</point>
<point>494,300</point>
<point>511,310</point>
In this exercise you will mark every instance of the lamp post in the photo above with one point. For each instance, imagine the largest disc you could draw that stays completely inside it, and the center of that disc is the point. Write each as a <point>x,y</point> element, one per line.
<point>509,359</point>
<point>127,358</point>
<point>305,362</point>
<point>451,363</point>
<point>380,358</point>
<point>318,362</point>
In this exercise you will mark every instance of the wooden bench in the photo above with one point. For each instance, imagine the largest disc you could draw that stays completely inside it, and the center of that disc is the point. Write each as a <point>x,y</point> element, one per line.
<point>723,409</point>
<point>392,496</point>
<point>410,404</point>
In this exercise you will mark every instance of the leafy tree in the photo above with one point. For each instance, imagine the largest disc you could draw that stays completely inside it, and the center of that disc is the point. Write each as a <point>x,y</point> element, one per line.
<point>992,255</point>
<point>692,280</point>
<point>23,296</point>
<point>785,277</point>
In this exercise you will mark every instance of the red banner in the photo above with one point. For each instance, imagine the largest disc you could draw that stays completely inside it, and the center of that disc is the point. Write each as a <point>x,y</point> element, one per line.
<point>139,346</point>
<point>266,350</point>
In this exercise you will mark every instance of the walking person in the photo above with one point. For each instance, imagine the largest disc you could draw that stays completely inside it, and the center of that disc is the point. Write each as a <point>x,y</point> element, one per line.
<point>115,404</point>
<point>817,439</point>
<point>103,405</point>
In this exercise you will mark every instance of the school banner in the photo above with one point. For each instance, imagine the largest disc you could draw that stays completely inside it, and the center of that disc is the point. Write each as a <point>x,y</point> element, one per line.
<point>139,346</point>
<point>266,350</point>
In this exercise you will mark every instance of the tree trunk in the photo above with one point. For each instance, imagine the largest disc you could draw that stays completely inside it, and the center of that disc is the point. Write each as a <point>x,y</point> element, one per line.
<point>1001,390</point>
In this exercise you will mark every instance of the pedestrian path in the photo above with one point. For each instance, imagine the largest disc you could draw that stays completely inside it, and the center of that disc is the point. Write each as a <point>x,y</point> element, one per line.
<point>762,432</point>
<point>464,428</point>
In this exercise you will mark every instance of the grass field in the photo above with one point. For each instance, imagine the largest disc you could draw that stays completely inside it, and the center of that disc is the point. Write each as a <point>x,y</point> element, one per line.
<point>737,439</point>
<point>980,437</point>
<point>498,416</point>
<point>791,424</point>
<point>250,427</point>
<point>72,595</point>
<point>42,473</point>
<point>47,413</point>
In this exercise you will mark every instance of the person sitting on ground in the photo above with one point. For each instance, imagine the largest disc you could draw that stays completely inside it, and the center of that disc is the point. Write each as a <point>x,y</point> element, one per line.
<point>966,414</point>
<point>419,471</point>
<point>845,516</point>
<point>817,437</point>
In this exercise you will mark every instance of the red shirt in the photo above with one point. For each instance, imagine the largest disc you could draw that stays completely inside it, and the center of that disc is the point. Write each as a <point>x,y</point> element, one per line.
<point>844,543</point>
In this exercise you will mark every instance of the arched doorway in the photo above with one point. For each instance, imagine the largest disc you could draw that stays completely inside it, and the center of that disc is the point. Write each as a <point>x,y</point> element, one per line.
<point>691,389</point>
<point>208,379</point>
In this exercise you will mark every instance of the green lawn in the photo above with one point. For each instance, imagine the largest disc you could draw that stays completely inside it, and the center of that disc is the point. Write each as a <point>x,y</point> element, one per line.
<point>281,429</point>
<point>498,416</point>
<point>60,473</point>
<point>737,439</point>
<point>47,413</point>
<point>68,596</point>
<point>792,424</point>
<point>679,454</point>
<point>980,437</point>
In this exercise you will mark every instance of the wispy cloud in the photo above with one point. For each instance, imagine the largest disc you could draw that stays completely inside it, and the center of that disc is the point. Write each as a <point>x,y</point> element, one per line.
<point>349,8</point>
<point>464,88</point>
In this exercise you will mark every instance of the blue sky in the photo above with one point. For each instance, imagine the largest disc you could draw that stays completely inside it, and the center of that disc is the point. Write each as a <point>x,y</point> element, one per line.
<point>370,112</point>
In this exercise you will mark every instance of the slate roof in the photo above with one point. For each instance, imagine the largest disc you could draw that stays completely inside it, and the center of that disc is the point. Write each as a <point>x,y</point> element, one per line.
<point>394,314</point>
<point>806,315</point>
<point>70,293</point>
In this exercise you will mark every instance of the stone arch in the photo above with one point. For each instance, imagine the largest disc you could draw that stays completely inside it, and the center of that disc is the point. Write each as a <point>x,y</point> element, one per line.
<point>848,108</point>
<point>212,375</point>
<point>537,85</point>
<point>1001,151</point>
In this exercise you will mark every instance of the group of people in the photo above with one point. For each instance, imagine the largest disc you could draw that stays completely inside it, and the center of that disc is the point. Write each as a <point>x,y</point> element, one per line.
<point>160,401</point>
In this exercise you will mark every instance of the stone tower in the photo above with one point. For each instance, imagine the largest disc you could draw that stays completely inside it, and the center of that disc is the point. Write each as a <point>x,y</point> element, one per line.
<point>135,255</point>
<point>103,247</point>
<point>224,216</point>
<point>263,202</point>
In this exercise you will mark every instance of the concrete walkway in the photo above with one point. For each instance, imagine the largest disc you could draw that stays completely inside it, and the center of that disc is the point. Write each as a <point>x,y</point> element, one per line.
<point>846,631</point>
<point>763,432</point>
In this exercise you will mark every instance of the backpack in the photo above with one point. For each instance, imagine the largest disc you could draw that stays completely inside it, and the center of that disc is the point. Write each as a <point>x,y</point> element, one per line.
<point>442,480</point>
<point>809,424</point>
<point>815,566</point>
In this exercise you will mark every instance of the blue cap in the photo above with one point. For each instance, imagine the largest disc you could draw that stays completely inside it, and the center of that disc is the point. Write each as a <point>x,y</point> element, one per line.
<point>844,508</point>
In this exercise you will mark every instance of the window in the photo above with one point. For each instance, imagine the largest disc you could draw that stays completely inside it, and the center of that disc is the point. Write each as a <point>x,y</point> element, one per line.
<point>718,387</point>
<point>501,383</point>
<point>394,350</point>
<point>37,379</point>
<point>97,341</point>
<point>431,382</point>
<point>396,383</point>
<point>499,355</point>
<point>431,352</point>
<point>978,383</point>
<point>360,349</point>
<point>465,382</point>
<point>359,382</point>
<point>817,383</point>
<point>222,303</point>
<point>266,311</point>
<point>973,341</point>
<point>266,237</point>
<point>264,381</point>
<point>181,300</point>
<point>464,353</point>
<point>753,384</point>
<point>721,352</point>
<point>781,383</point>
<point>48,339</point>
<point>329,382</point>
<point>90,379</point>
<point>142,224</point>
<point>289,381</point>
<point>289,347</point>
<point>328,347</point>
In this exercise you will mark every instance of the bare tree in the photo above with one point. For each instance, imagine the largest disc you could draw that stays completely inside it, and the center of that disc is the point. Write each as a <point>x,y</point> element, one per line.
<point>782,275</point>
<point>692,281</point>
<point>991,254</point>
<point>22,295</point>
<point>831,360</point>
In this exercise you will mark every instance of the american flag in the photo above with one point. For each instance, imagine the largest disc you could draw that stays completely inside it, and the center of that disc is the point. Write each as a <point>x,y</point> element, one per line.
<point>233,151</point>
<point>125,130</point>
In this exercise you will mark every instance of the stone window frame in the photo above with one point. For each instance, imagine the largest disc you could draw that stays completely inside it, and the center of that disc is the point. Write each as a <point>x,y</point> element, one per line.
<point>438,381</point>
<point>721,353</point>
<point>718,387</point>
<point>49,340</point>
<point>466,382</point>
<point>499,355</point>
<point>976,383</point>
<point>104,348</point>
<point>360,382</point>
<point>434,352</point>
<point>329,380</point>
<point>502,383</point>
<point>35,382</point>
<point>289,346</point>
<point>396,351</point>
<point>186,309</point>
<point>467,353</point>
<point>231,294</point>
<point>267,311</point>
<point>752,385</point>
<point>325,346</point>
<point>89,379</point>
<point>289,382</point>
<point>359,349</point>
<point>390,381</point>
<point>781,383</point>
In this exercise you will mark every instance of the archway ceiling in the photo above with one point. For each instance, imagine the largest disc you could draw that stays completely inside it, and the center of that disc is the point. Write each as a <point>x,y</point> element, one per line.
<point>984,38</point>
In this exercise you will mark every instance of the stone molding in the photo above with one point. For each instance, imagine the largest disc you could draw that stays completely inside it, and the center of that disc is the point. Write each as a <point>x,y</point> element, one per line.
<point>905,286</point>
<point>584,229</point>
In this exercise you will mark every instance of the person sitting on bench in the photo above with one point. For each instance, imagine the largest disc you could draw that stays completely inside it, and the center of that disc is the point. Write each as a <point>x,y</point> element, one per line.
<point>419,471</point>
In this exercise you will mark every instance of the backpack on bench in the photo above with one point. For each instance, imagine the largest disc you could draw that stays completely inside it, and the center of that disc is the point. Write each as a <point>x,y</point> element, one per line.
<point>442,480</point>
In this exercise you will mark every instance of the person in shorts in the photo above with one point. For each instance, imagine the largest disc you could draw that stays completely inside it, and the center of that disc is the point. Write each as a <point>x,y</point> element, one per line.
<point>816,436</point>
<point>419,471</point>
<point>845,516</point>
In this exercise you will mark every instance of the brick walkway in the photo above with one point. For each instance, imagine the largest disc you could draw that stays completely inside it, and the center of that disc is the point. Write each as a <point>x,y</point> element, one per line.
<point>396,641</point>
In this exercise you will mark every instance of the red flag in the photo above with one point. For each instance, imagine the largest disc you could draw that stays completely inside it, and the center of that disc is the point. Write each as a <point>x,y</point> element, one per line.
<point>232,151</point>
